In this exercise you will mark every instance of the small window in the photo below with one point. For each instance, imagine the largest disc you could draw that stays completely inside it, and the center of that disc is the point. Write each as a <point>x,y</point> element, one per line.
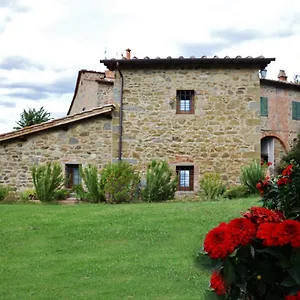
<point>72,175</point>
<point>185,102</point>
<point>264,109</point>
<point>185,178</point>
<point>296,110</point>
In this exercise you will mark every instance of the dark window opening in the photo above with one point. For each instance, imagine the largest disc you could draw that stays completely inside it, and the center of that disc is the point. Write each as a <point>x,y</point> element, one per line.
<point>185,178</point>
<point>185,102</point>
<point>72,175</point>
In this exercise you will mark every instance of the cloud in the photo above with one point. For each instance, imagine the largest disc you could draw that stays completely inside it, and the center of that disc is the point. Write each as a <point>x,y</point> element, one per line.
<point>8,104</point>
<point>14,5</point>
<point>199,49</point>
<point>30,95</point>
<point>20,63</point>
<point>38,90</point>
<point>3,121</point>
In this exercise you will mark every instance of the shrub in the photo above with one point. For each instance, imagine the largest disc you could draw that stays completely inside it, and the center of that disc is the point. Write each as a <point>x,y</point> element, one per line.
<point>80,193</point>
<point>250,175</point>
<point>255,256</point>
<point>292,155</point>
<point>47,179</point>
<point>27,195</point>
<point>282,192</point>
<point>120,182</point>
<point>4,191</point>
<point>239,191</point>
<point>160,185</point>
<point>212,186</point>
<point>62,194</point>
<point>90,176</point>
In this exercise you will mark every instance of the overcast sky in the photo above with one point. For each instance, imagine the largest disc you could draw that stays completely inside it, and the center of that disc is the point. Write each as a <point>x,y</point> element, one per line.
<point>43,44</point>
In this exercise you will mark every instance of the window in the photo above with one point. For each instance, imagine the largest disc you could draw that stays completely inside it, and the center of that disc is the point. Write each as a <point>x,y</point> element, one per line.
<point>185,102</point>
<point>72,175</point>
<point>295,110</point>
<point>185,178</point>
<point>264,106</point>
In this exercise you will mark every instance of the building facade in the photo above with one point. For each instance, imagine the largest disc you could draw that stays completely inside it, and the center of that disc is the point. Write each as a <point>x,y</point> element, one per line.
<point>199,114</point>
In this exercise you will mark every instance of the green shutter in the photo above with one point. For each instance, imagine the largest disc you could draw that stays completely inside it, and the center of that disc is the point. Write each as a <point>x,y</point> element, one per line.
<point>264,106</point>
<point>295,110</point>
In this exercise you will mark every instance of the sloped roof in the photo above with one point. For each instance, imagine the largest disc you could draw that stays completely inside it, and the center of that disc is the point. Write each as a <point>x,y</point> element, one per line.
<point>83,71</point>
<point>106,109</point>
<point>146,62</point>
<point>280,84</point>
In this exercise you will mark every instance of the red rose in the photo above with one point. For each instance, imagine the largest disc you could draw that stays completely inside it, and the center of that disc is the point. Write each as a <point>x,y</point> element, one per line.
<point>259,185</point>
<point>265,233</point>
<point>242,230</point>
<point>217,283</point>
<point>283,181</point>
<point>288,232</point>
<point>259,215</point>
<point>269,164</point>
<point>218,242</point>
<point>287,171</point>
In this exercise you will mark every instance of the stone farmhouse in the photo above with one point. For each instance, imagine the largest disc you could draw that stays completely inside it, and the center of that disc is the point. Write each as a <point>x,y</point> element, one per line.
<point>200,114</point>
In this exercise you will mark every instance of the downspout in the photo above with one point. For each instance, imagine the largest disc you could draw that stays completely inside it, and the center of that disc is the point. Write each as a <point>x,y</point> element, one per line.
<point>120,114</point>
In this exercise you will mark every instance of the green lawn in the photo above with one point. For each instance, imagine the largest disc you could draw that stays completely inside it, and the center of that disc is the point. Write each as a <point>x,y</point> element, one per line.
<point>137,251</point>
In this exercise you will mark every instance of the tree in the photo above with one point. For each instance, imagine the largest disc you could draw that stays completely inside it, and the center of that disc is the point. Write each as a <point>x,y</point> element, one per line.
<point>296,79</point>
<point>32,117</point>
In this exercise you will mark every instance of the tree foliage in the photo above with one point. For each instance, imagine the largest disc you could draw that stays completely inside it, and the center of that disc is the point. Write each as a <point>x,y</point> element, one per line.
<point>32,117</point>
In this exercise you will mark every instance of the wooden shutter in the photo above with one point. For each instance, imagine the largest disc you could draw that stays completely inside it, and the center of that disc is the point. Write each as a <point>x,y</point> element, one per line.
<point>295,110</point>
<point>264,106</point>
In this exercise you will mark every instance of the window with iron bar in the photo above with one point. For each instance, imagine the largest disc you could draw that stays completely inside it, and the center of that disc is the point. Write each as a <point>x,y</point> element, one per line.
<point>185,102</point>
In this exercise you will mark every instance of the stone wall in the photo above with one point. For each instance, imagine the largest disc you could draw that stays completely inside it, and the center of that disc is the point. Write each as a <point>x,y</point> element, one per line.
<point>279,122</point>
<point>90,93</point>
<point>223,134</point>
<point>88,141</point>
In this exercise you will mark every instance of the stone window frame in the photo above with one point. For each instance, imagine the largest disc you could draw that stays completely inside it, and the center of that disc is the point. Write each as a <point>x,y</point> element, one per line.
<point>183,187</point>
<point>295,110</point>
<point>69,174</point>
<point>190,99</point>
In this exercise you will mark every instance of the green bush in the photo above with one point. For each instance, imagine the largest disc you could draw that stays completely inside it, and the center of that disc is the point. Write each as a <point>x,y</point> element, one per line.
<point>27,195</point>
<point>62,194</point>
<point>4,191</point>
<point>212,186</point>
<point>91,178</point>
<point>292,155</point>
<point>120,182</point>
<point>47,179</point>
<point>239,191</point>
<point>160,185</point>
<point>251,175</point>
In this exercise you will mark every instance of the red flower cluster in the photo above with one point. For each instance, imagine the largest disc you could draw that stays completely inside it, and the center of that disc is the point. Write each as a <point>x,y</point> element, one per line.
<point>262,184</point>
<point>217,283</point>
<point>242,230</point>
<point>259,215</point>
<point>218,242</point>
<point>279,234</point>
<point>288,171</point>
<point>283,181</point>
<point>293,297</point>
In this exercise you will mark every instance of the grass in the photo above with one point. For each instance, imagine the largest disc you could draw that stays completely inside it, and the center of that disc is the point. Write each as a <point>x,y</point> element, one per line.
<point>138,251</point>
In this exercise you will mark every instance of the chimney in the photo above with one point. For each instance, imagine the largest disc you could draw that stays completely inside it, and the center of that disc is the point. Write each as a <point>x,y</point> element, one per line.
<point>128,53</point>
<point>282,76</point>
<point>109,75</point>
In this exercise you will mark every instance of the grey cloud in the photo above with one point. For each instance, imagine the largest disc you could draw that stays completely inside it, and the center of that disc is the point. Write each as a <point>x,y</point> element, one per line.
<point>225,38</point>
<point>19,63</point>
<point>30,95</point>
<point>8,104</point>
<point>199,49</point>
<point>3,121</point>
<point>37,91</point>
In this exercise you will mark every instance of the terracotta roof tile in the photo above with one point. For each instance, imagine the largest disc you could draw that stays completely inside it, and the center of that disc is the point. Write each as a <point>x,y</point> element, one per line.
<point>57,122</point>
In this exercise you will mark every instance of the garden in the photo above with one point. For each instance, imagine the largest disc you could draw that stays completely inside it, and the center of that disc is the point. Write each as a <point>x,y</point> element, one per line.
<point>155,248</point>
